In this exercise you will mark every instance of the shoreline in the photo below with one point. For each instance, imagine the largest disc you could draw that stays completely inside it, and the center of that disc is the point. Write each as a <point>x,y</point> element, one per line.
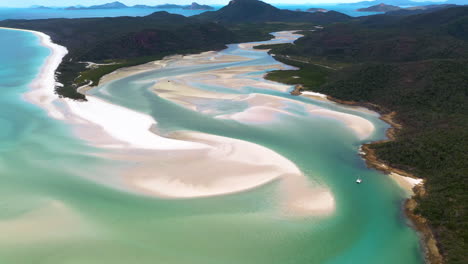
<point>46,76</point>
<point>404,179</point>
<point>428,241</point>
<point>413,185</point>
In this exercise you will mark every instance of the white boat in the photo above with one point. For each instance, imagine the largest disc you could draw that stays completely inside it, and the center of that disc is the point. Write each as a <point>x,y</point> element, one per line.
<point>359,180</point>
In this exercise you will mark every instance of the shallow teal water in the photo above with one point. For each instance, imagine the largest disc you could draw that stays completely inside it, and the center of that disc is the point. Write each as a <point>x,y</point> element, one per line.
<point>52,212</point>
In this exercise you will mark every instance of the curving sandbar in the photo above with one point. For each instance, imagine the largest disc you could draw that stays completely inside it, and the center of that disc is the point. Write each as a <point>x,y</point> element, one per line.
<point>262,108</point>
<point>130,129</point>
<point>193,165</point>
<point>179,165</point>
<point>229,166</point>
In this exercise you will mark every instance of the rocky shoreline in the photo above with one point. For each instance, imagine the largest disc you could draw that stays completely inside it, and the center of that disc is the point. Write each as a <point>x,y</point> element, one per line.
<point>428,241</point>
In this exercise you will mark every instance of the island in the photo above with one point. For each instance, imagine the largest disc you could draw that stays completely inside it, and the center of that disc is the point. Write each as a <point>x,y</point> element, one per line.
<point>392,2</point>
<point>414,10</point>
<point>316,10</point>
<point>196,6</point>
<point>41,7</point>
<point>119,5</point>
<point>379,8</point>
<point>113,5</point>
<point>168,6</point>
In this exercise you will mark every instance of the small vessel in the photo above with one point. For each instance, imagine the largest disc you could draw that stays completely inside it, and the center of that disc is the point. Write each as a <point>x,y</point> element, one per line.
<point>359,180</point>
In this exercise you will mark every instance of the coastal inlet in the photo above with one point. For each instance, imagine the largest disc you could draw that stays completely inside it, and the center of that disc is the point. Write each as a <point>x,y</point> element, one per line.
<point>191,159</point>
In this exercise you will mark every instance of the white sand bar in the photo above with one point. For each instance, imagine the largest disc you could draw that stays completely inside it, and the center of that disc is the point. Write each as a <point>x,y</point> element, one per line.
<point>230,166</point>
<point>361,126</point>
<point>126,126</point>
<point>184,165</point>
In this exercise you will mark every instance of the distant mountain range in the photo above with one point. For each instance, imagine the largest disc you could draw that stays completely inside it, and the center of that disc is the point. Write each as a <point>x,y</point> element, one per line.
<point>405,3</point>
<point>316,10</point>
<point>239,11</point>
<point>414,10</point>
<point>379,8</point>
<point>374,5</point>
<point>119,5</point>
<point>395,10</point>
<point>113,5</point>
<point>40,7</point>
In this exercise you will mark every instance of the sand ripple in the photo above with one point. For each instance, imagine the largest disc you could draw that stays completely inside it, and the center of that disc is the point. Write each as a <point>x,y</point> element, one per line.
<point>185,164</point>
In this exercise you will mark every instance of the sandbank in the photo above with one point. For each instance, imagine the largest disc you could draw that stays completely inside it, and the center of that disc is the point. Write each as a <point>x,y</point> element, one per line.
<point>134,133</point>
<point>362,127</point>
<point>262,107</point>
<point>229,166</point>
<point>130,128</point>
<point>213,165</point>
<point>209,57</point>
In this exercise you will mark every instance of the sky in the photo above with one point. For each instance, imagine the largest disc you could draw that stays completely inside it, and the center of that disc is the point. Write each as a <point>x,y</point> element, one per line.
<point>27,3</point>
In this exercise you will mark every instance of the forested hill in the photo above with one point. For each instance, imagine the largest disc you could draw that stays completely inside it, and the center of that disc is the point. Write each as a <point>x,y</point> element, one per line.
<point>441,34</point>
<point>126,37</point>
<point>414,65</point>
<point>241,11</point>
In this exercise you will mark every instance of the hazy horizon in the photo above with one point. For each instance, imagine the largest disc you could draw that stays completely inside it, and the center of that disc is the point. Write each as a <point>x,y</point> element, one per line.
<point>52,3</point>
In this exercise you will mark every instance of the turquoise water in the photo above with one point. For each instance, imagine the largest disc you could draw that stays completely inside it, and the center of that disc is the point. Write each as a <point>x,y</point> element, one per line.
<point>55,211</point>
<point>33,13</point>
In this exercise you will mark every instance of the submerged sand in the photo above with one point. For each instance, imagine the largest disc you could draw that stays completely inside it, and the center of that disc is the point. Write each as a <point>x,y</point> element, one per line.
<point>261,109</point>
<point>212,165</point>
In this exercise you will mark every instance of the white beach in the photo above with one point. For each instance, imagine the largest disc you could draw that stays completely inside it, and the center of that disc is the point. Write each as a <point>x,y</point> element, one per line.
<point>406,183</point>
<point>42,91</point>
<point>314,94</point>
<point>99,114</point>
